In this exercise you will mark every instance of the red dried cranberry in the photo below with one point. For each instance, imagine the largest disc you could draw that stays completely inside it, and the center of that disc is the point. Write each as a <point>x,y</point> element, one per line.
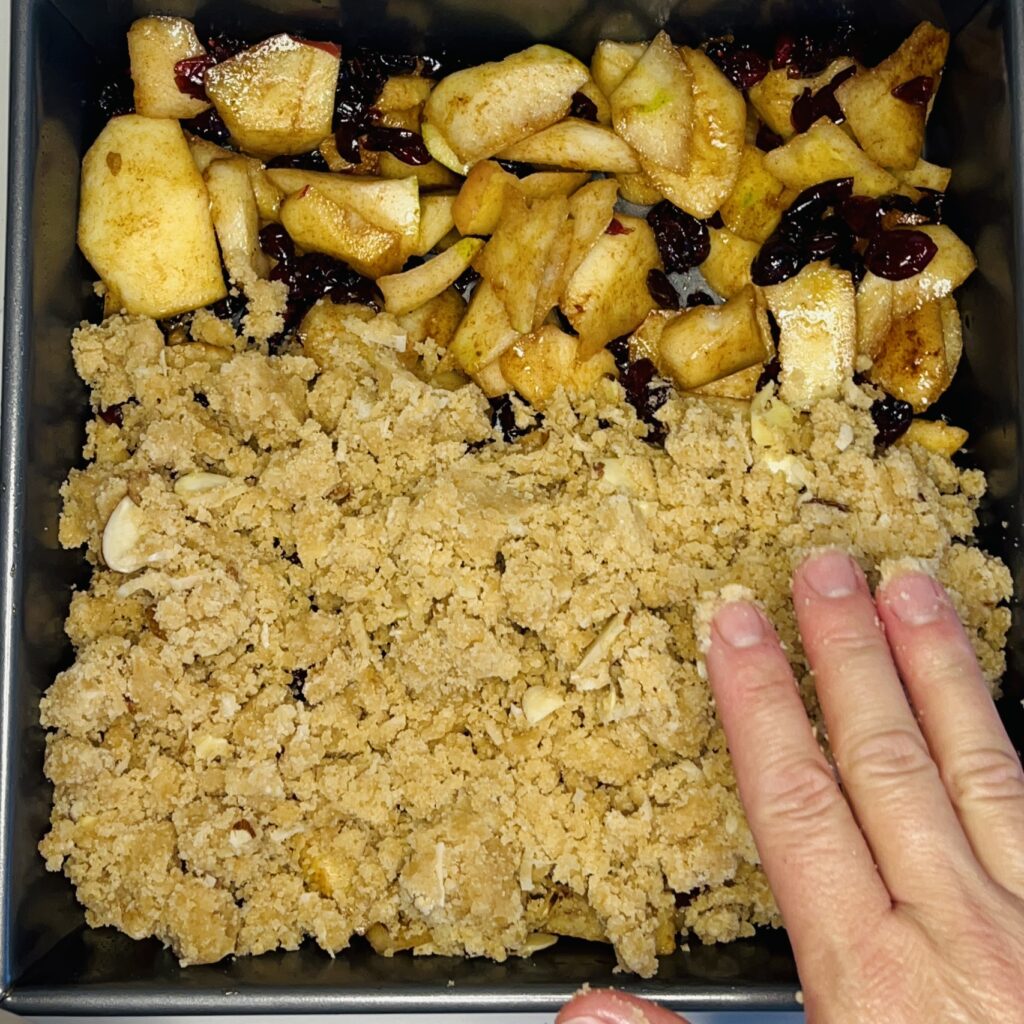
<point>683,241</point>
<point>661,290</point>
<point>930,204</point>
<point>113,415</point>
<point>117,97</point>
<point>813,51</point>
<point>231,308</point>
<point>647,393</point>
<point>831,236</point>
<point>503,416</point>
<point>518,168</point>
<point>892,418</point>
<point>699,298</point>
<point>777,261</point>
<point>405,145</point>
<point>583,107</point>
<point>277,243</point>
<point>743,66</point>
<point>201,399</point>
<point>616,227</point>
<point>808,107</point>
<point>917,92</point>
<point>311,161</point>
<point>190,75</point>
<point>785,47</point>
<point>770,374</point>
<point>619,349</point>
<point>223,47</point>
<point>314,276</point>
<point>863,215</point>
<point>850,260</point>
<point>897,255</point>
<point>810,205</point>
<point>466,280</point>
<point>297,685</point>
<point>209,126</point>
<point>767,139</point>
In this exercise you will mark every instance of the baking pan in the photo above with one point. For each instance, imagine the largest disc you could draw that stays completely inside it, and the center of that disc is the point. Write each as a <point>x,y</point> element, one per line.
<point>50,962</point>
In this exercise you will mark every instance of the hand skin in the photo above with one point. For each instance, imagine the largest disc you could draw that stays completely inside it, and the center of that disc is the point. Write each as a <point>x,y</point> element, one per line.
<point>902,891</point>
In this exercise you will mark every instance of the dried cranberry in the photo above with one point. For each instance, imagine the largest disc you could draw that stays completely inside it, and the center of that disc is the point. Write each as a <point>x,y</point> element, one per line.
<point>892,418</point>
<point>503,416</point>
<point>832,235</point>
<point>113,415</point>
<point>201,399</point>
<point>209,126</point>
<point>812,52</point>
<point>311,161</point>
<point>583,107</point>
<point>897,255</point>
<point>190,75</point>
<point>297,686</point>
<point>647,393</point>
<point>231,308</point>
<point>850,260</point>
<point>117,97</point>
<point>770,374</point>
<point>223,47</point>
<point>743,66</point>
<point>808,107</point>
<point>699,298</point>
<point>785,47</point>
<point>767,139</point>
<point>616,227</point>
<point>619,349</point>
<point>715,220</point>
<point>863,215</point>
<point>930,204</point>
<point>683,241</point>
<point>406,145</point>
<point>917,92</point>
<point>313,276</point>
<point>466,280</point>
<point>777,261</point>
<point>277,243</point>
<point>661,290</point>
<point>518,168</point>
<point>810,206</point>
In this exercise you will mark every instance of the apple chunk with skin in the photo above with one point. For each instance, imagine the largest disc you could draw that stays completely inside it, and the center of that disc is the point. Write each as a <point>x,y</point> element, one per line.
<point>485,332</point>
<point>144,218</point>
<point>479,111</point>
<point>576,145</point>
<point>318,223</point>
<point>277,98</point>
<point>407,291</point>
<point>236,219</point>
<point>155,45</point>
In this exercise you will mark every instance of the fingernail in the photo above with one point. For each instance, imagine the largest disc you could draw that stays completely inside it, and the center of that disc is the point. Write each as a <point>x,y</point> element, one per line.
<point>740,625</point>
<point>831,574</point>
<point>916,599</point>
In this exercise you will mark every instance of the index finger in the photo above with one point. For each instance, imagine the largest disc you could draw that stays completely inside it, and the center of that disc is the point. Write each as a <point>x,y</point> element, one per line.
<point>816,859</point>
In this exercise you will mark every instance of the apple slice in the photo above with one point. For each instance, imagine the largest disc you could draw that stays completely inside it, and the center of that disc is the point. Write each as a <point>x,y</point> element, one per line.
<point>277,98</point>
<point>591,210</point>
<point>556,273</point>
<point>824,152</point>
<point>478,205</point>
<point>607,295</point>
<point>926,175</point>
<point>611,63</point>
<point>317,222</point>
<point>515,259</point>
<point>539,363</point>
<point>436,221</point>
<point>715,148</point>
<point>437,319</point>
<point>817,319</point>
<point>952,333</point>
<point>490,380</point>
<point>652,107</point>
<point>393,205</point>
<point>544,184</point>
<point>638,189</point>
<point>407,291</point>
<point>740,386</point>
<point>602,108</point>
<point>755,205</point>
<point>144,219</point>
<point>485,331</point>
<point>236,219</point>
<point>935,436</point>
<point>155,45</point>
<point>482,110</point>
<point>891,130</point>
<point>727,267</point>
<point>774,95</point>
<point>708,343</point>
<point>575,145</point>
<point>912,361</point>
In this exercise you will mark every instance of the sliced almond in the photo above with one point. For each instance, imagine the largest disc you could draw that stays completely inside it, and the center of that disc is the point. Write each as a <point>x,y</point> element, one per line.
<point>588,675</point>
<point>122,537</point>
<point>199,483</point>
<point>539,702</point>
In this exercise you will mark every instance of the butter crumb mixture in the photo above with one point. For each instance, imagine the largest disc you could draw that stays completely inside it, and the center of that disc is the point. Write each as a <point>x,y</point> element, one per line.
<point>349,664</point>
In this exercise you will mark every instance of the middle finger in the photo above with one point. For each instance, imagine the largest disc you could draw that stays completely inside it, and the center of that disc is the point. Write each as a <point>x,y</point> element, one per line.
<point>886,770</point>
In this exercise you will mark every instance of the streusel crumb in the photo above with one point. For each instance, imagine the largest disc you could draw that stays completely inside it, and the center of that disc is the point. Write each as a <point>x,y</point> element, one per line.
<point>303,716</point>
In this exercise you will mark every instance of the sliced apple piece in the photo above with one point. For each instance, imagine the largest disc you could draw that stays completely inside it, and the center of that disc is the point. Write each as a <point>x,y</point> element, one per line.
<point>715,146</point>
<point>436,221</point>
<point>544,184</point>
<point>816,314</point>
<point>490,380</point>
<point>755,205</point>
<point>774,95</point>
<point>402,92</point>
<point>952,333</point>
<point>727,267</point>
<point>891,130</point>
<point>369,161</point>
<point>607,295</point>
<point>612,61</point>
<point>144,218</point>
<point>708,343</point>
<point>236,219</point>
<point>539,363</point>
<point>926,175</point>
<point>740,386</point>
<point>652,107</point>
<point>430,175</point>
<point>936,436</point>
<point>556,273</point>
<point>437,319</point>
<point>392,205</point>
<point>575,145</point>
<point>644,341</point>
<point>824,152</point>
<point>478,205</point>
<point>268,196</point>
<point>317,222</point>
<point>591,210</point>
<point>638,189</point>
<point>204,152</point>
<point>602,108</point>
<point>485,331</point>
<point>912,361</point>
<point>407,291</point>
<point>438,148</point>
<point>277,98</point>
<point>515,259</point>
<point>155,45</point>
<point>482,110</point>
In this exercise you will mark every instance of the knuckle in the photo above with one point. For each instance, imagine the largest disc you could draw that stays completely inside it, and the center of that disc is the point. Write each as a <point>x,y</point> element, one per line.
<point>800,793</point>
<point>884,756</point>
<point>848,648</point>
<point>985,775</point>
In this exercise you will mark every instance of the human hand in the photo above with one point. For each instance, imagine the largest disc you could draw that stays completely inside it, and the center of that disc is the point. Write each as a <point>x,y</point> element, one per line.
<point>902,892</point>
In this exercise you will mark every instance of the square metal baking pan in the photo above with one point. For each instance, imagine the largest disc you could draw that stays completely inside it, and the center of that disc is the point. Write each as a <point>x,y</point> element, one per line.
<point>50,961</point>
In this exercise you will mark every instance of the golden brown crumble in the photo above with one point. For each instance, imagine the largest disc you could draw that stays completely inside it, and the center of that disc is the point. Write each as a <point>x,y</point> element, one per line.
<point>305,714</point>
